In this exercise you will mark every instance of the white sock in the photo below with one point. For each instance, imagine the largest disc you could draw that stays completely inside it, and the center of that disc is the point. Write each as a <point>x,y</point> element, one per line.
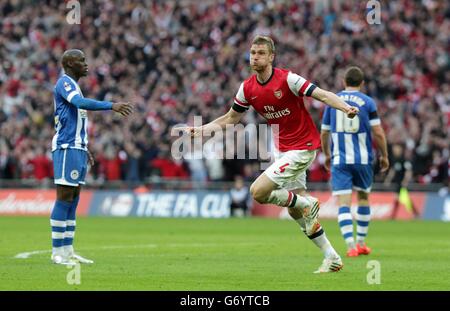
<point>325,246</point>
<point>285,198</point>
<point>320,240</point>
<point>58,251</point>
<point>68,250</point>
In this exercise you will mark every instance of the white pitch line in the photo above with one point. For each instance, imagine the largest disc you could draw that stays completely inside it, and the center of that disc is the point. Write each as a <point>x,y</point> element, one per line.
<point>26,255</point>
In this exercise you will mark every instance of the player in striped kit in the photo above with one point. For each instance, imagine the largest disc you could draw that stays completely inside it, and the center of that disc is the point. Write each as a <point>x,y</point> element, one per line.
<point>351,158</point>
<point>277,94</point>
<point>70,153</point>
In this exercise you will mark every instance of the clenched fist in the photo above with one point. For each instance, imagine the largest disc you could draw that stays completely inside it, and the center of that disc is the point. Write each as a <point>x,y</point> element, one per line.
<point>352,111</point>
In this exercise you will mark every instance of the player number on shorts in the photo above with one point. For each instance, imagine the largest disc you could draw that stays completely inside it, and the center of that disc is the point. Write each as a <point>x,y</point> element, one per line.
<point>282,167</point>
<point>345,124</point>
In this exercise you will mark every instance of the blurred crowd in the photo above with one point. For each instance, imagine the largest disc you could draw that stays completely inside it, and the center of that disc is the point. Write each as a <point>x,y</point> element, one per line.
<point>179,59</point>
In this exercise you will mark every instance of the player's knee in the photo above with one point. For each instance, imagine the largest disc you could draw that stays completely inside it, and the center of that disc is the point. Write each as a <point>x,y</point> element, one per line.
<point>64,193</point>
<point>65,197</point>
<point>363,196</point>
<point>258,194</point>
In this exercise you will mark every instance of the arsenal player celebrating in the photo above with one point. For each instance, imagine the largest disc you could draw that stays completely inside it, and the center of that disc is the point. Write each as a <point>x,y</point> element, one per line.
<point>277,94</point>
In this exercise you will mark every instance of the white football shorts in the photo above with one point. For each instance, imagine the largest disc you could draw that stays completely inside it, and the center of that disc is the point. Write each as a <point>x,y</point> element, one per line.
<point>289,169</point>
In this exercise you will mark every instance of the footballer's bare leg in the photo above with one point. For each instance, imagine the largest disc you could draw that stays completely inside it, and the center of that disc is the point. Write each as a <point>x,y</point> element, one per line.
<point>264,190</point>
<point>261,188</point>
<point>65,193</point>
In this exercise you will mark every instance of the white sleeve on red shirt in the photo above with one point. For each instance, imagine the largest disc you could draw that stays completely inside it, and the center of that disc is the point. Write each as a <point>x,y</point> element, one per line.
<point>299,85</point>
<point>240,98</point>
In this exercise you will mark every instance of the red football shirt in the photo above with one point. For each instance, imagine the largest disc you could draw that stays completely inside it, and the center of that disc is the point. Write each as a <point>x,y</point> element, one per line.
<point>280,101</point>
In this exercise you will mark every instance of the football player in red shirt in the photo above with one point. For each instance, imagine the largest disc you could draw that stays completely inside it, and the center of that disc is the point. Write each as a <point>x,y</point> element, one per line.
<point>277,95</point>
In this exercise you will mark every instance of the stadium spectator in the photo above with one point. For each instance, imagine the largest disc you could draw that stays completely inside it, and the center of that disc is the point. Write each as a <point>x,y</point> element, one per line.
<point>163,165</point>
<point>239,198</point>
<point>131,156</point>
<point>176,59</point>
<point>400,176</point>
<point>42,165</point>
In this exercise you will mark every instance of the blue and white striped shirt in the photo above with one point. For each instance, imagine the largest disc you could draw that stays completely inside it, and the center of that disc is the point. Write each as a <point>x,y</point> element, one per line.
<point>351,138</point>
<point>71,123</point>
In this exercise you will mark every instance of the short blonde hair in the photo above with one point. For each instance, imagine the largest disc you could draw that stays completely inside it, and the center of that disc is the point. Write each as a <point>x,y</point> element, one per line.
<point>265,40</point>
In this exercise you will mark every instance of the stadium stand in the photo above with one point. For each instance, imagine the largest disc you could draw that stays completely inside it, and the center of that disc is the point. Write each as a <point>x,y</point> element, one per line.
<point>175,60</point>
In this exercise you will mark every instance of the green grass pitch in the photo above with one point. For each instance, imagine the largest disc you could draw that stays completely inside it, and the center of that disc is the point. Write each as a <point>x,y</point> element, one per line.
<point>221,254</point>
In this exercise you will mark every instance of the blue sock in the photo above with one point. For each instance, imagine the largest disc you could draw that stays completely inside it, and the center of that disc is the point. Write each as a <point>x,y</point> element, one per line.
<point>346,225</point>
<point>58,224</point>
<point>71,224</point>
<point>362,219</point>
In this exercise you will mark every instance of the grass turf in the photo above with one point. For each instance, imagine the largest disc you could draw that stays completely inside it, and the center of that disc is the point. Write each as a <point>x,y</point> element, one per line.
<point>221,254</point>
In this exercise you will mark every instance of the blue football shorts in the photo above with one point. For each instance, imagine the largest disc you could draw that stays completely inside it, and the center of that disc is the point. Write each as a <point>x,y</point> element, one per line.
<point>345,177</point>
<point>70,166</point>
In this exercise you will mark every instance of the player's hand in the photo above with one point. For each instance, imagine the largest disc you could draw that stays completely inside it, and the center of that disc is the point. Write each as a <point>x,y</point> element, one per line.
<point>327,163</point>
<point>124,109</point>
<point>384,164</point>
<point>352,111</point>
<point>91,160</point>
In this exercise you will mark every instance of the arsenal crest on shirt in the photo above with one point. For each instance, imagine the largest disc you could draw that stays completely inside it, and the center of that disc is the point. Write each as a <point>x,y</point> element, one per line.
<point>278,94</point>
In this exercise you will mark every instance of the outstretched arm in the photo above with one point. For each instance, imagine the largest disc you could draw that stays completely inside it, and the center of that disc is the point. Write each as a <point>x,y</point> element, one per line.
<point>92,104</point>
<point>66,88</point>
<point>231,117</point>
<point>334,101</point>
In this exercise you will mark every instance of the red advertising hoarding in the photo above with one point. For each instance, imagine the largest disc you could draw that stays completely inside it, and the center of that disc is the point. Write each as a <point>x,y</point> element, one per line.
<point>381,203</point>
<point>36,202</point>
